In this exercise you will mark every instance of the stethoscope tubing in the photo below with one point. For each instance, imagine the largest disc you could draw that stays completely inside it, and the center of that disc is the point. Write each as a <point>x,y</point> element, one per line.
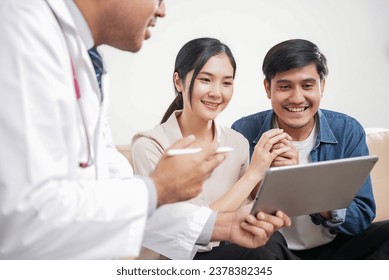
<point>89,160</point>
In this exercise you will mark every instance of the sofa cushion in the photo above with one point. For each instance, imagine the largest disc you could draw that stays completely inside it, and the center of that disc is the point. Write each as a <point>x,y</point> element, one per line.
<point>378,143</point>
<point>126,151</point>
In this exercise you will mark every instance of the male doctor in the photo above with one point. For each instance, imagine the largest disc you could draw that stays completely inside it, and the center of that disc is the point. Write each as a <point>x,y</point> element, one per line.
<point>65,192</point>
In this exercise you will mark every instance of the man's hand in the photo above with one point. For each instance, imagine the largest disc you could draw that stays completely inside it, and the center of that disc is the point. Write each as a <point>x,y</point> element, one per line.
<point>246,230</point>
<point>265,152</point>
<point>181,177</point>
<point>290,157</point>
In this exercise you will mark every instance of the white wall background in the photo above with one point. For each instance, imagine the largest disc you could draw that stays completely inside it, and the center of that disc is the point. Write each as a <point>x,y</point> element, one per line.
<point>353,34</point>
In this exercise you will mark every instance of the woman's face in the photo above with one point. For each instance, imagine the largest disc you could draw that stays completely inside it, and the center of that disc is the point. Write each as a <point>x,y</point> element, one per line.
<point>212,88</point>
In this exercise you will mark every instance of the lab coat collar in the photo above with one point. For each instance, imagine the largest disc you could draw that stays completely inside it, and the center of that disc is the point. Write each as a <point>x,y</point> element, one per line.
<point>70,16</point>
<point>81,24</point>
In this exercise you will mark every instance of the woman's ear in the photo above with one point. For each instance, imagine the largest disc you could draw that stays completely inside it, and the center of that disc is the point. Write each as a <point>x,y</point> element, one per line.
<point>177,82</point>
<point>267,88</point>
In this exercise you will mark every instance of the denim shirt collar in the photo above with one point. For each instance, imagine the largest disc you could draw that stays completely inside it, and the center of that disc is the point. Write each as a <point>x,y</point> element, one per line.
<point>266,125</point>
<point>324,134</point>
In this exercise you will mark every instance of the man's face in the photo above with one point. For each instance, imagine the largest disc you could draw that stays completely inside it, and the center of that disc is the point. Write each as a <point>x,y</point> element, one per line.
<point>295,97</point>
<point>125,24</point>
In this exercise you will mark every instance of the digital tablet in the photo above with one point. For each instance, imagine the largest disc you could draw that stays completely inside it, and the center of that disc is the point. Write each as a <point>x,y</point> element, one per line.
<point>314,187</point>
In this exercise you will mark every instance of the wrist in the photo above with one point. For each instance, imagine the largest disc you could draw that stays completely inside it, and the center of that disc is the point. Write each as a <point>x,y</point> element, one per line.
<point>160,190</point>
<point>222,228</point>
<point>152,193</point>
<point>253,176</point>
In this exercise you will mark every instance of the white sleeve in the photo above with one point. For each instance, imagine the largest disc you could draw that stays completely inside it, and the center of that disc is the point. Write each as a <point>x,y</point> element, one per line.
<point>46,210</point>
<point>173,229</point>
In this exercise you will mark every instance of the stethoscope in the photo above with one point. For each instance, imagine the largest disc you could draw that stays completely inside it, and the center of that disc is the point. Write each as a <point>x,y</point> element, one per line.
<point>89,161</point>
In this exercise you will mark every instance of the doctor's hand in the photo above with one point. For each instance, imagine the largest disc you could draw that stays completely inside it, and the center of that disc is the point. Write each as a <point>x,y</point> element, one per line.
<point>181,177</point>
<point>246,230</point>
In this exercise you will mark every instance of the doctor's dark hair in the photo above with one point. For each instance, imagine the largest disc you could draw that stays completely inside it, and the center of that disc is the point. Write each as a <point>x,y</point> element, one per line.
<point>292,54</point>
<point>192,57</point>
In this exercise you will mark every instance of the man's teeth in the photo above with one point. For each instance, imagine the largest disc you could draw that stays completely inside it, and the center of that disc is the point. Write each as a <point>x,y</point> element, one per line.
<point>299,109</point>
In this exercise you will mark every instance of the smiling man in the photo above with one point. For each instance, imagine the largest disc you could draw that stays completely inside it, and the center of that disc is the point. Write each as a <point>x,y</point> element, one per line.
<point>295,72</point>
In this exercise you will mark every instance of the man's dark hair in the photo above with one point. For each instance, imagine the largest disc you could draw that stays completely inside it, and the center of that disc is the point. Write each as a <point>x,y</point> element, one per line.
<point>292,54</point>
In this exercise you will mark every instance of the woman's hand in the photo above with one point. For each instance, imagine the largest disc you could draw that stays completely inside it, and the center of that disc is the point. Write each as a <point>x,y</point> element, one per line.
<point>271,145</point>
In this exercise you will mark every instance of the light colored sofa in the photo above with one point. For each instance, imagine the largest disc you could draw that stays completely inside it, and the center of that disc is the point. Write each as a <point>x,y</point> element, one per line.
<point>378,142</point>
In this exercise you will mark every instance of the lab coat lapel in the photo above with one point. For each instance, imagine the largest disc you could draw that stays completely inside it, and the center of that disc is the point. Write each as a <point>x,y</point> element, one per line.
<point>89,90</point>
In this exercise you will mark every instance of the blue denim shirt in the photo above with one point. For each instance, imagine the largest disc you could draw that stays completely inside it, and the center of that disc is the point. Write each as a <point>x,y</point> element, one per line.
<point>339,136</point>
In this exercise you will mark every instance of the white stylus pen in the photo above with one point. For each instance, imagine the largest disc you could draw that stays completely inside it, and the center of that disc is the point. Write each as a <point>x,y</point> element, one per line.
<point>187,151</point>
<point>176,152</point>
<point>224,149</point>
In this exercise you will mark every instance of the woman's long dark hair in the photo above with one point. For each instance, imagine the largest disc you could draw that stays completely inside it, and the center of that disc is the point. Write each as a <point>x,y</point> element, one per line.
<point>193,56</point>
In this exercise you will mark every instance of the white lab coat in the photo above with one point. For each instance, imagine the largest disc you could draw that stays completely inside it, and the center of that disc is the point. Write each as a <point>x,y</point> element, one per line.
<point>50,208</point>
<point>173,230</point>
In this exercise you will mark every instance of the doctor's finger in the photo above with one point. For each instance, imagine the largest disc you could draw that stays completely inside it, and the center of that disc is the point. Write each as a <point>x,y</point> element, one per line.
<point>285,218</point>
<point>275,220</point>
<point>264,225</point>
